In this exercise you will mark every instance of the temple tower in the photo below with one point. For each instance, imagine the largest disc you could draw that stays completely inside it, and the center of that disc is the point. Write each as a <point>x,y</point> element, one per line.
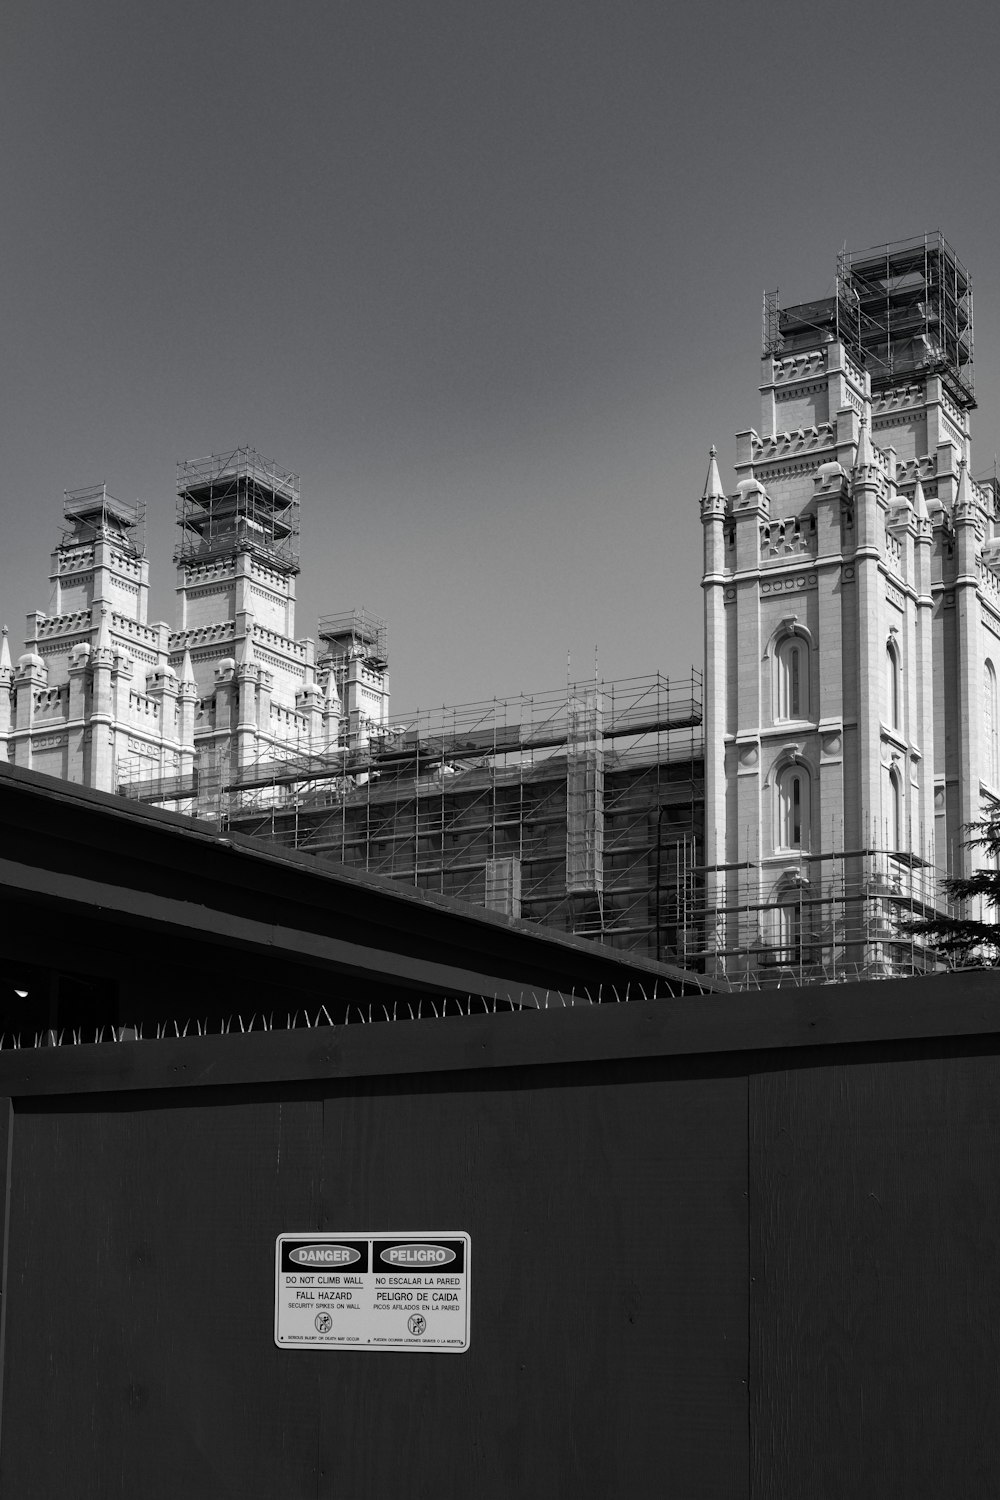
<point>94,696</point>
<point>355,664</point>
<point>237,561</point>
<point>852,626</point>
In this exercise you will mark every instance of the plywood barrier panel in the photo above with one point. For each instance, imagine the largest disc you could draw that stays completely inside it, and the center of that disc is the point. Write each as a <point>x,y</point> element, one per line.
<point>875,1280</point>
<point>607,1209</point>
<point>140,1299</point>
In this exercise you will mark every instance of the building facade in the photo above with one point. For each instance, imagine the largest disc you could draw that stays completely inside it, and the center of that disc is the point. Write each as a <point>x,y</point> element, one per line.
<point>103,697</point>
<point>852,648</point>
<point>579,809</point>
<point>852,627</point>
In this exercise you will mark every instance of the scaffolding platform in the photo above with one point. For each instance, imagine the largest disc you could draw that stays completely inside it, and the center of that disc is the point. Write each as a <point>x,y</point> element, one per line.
<point>902,310</point>
<point>580,808</point>
<point>356,631</point>
<point>237,501</point>
<point>91,514</point>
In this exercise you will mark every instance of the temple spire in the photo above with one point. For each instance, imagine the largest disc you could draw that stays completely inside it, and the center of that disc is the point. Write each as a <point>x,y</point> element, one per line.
<point>713,483</point>
<point>104,630</point>
<point>964,498</point>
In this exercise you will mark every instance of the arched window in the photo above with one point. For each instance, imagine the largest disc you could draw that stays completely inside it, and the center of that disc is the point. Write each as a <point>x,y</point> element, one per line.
<point>793,808</point>
<point>894,811</point>
<point>789,931</point>
<point>892,686</point>
<point>789,924</point>
<point>792,674</point>
<point>991,727</point>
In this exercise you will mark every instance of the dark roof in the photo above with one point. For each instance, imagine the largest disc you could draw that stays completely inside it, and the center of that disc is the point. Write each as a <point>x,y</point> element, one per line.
<point>82,870</point>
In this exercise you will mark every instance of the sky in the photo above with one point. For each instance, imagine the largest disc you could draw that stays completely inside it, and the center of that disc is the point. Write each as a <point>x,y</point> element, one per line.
<point>487,274</point>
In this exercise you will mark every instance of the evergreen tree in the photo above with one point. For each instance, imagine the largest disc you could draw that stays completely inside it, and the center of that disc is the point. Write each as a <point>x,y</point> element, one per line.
<point>964,941</point>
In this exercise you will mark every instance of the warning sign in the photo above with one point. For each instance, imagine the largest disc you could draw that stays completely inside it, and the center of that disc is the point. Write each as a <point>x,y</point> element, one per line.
<point>373,1291</point>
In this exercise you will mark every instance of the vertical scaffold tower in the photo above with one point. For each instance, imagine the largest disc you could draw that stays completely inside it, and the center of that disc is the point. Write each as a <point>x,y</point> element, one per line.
<point>91,514</point>
<point>356,632</point>
<point>237,502</point>
<point>906,309</point>
<point>903,311</point>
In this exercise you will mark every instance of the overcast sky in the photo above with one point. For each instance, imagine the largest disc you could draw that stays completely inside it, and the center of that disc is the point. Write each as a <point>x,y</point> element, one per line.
<point>486,273</point>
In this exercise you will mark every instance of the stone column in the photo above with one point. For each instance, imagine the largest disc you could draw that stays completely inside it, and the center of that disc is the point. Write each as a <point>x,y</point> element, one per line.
<point>923,724</point>
<point>968,539</point>
<point>714,690</point>
<point>79,683</point>
<point>831,488</point>
<point>187,707</point>
<point>100,772</point>
<point>869,522</point>
<point>6,696</point>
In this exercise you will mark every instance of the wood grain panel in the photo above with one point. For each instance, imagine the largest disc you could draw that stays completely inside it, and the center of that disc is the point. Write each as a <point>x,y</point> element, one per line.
<point>607,1211</point>
<point>142,1296</point>
<point>609,1287</point>
<point>875,1264</point>
<point>6,1152</point>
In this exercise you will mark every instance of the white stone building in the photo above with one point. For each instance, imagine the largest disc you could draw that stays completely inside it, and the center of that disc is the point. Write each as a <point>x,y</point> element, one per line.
<point>102,697</point>
<point>852,627</point>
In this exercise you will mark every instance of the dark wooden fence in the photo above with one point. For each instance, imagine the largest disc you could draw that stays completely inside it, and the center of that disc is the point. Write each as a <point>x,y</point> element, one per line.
<point>722,1247</point>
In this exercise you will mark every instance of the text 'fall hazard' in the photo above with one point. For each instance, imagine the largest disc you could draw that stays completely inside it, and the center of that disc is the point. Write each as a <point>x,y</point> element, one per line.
<point>373,1291</point>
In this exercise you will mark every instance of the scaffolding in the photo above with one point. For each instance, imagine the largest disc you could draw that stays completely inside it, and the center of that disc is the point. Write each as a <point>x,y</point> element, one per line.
<point>585,796</point>
<point>237,502</point>
<point>356,632</point>
<point>569,808</point>
<point>583,810</point>
<point>91,514</point>
<point>771,336</point>
<point>839,915</point>
<point>906,309</point>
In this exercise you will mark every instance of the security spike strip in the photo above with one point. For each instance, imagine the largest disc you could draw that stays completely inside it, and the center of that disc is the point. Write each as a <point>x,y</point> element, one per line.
<point>426,1008</point>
